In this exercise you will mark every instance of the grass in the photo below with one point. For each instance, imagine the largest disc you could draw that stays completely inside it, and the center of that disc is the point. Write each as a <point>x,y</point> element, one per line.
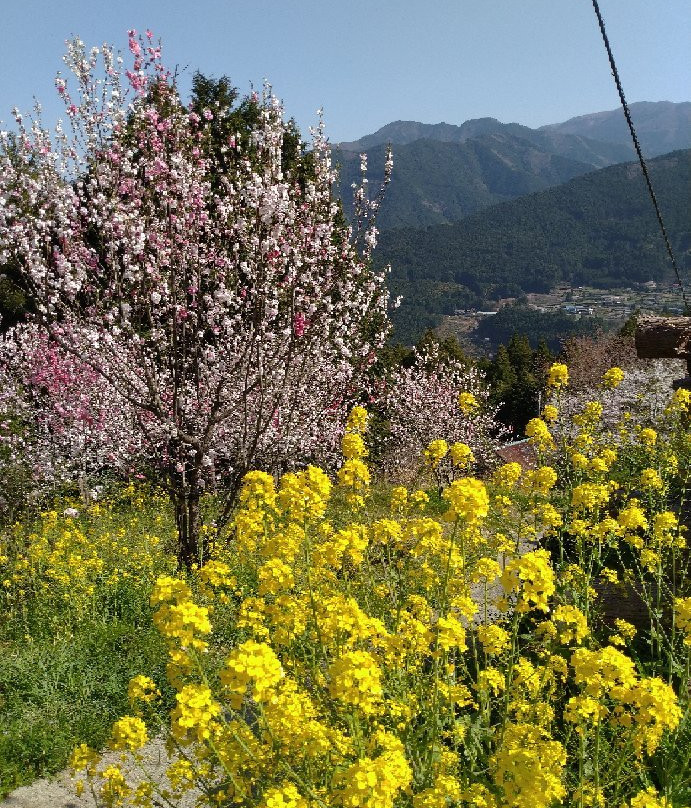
<point>72,636</point>
<point>55,693</point>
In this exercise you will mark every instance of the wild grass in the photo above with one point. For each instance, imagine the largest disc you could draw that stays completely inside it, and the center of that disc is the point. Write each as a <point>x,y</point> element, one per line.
<point>76,626</point>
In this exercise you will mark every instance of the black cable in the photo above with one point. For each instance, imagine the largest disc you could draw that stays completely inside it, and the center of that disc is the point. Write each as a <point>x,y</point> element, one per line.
<point>637,146</point>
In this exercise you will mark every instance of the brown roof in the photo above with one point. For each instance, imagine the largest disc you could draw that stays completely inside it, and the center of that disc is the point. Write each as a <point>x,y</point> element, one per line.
<point>521,452</point>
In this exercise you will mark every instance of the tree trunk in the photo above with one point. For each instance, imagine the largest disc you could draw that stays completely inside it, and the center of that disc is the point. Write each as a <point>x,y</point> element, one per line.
<point>230,495</point>
<point>186,495</point>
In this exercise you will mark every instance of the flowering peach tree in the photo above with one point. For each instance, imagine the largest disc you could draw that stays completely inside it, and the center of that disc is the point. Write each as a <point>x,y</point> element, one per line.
<point>441,397</point>
<point>212,288</point>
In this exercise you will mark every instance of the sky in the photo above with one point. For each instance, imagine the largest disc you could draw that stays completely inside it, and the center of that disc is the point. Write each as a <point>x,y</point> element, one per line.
<point>370,62</point>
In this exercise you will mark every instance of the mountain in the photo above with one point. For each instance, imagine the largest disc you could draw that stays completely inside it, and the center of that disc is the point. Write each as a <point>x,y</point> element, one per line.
<point>402,133</point>
<point>440,182</point>
<point>661,126</point>
<point>443,172</point>
<point>598,229</point>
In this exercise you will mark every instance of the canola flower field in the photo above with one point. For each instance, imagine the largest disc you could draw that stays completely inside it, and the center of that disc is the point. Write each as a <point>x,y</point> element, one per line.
<point>341,645</point>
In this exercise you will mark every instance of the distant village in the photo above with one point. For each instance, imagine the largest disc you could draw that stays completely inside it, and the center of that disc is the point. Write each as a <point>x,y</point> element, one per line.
<point>585,301</point>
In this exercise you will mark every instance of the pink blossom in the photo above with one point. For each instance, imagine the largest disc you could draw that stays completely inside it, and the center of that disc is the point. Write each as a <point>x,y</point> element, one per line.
<point>299,322</point>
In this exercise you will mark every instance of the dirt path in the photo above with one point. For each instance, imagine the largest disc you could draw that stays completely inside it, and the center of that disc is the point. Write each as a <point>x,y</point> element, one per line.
<point>59,791</point>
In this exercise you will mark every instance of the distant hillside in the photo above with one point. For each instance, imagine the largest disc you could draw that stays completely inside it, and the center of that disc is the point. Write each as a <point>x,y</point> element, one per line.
<point>402,133</point>
<point>437,182</point>
<point>662,126</point>
<point>598,229</point>
<point>444,172</point>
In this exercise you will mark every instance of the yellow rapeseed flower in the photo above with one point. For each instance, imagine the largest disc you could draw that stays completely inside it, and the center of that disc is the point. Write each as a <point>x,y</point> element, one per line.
<point>353,446</point>
<point>129,733</point>
<point>468,499</point>
<point>539,434</point>
<point>251,664</point>
<point>467,403</point>
<point>550,413</point>
<point>355,679</point>
<point>461,455</point>
<point>494,638</point>
<point>558,376</point>
<point>531,577</point>
<point>435,452</point>
<point>613,378</point>
<point>357,420</point>
<point>141,688</point>
<point>195,714</point>
<point>529,767</point>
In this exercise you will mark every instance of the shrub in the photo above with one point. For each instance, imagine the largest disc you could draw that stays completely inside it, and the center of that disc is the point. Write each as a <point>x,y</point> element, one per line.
<point>368,668</point>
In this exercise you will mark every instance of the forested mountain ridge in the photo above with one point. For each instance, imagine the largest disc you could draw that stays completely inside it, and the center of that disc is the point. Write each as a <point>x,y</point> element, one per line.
<point>438,181</point>
<point>662,126</point>
<point>441,182</point>
<point>576,146</point>
<point>598,229</point>
<point>444,172</point>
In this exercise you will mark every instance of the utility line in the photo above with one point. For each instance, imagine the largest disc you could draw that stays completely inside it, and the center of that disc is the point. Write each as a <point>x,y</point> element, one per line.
<point>637,146</point>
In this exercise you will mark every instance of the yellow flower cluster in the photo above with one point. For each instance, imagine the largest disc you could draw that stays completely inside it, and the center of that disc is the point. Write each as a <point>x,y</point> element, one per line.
<point>680,403</point>
<point>184,622</point>
<point>129,733</point>
<point>467,403</point>
<point>649,799</point>
<point>613,378</point>
<point>304,494</point>
<point>682,611</point>
<point>570,624</point>
<point>494,638</point>
<point>550,413</point>
<point>529,767</point>
<point>357,420</point>
<point>531,578</point>
<point>194,715</point>
<point>539,434</point>
<point>377,653</point>
<point>78,565</point>
<point>436,452</point>
<point>286,796</point>
<point>258,491</point>
<point>590,496</point>
<point>353,446</point>
<point>355,678</point>
<point>558,376</point>
<point>646,707</point>
<point>507,476</point>
<point>251,663</point>
<point>468,500</point>
<point>142,688</point>
<point>461,455</point>
<point>375,781</point>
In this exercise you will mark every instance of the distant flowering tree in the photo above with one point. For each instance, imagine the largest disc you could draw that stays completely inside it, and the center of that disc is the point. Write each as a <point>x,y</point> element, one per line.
<point>643,391</point>
<point>440,399</point>
<point>209,284</point>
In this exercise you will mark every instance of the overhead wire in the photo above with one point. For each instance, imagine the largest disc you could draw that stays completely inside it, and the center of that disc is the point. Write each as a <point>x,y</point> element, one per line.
<point>641,160</point>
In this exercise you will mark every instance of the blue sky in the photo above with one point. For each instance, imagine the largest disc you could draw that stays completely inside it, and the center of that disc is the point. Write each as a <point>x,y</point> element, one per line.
<point>370,62</point>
